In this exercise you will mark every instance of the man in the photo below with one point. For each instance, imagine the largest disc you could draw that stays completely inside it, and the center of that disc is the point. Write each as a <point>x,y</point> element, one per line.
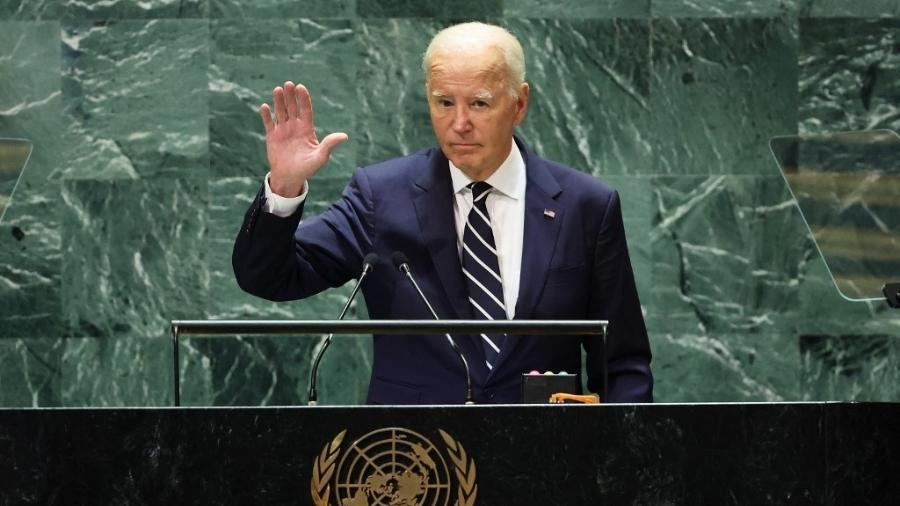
<point>491,231</point>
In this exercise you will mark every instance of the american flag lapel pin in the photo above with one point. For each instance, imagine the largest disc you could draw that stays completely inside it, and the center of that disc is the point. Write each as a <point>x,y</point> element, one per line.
<point>549,214</point>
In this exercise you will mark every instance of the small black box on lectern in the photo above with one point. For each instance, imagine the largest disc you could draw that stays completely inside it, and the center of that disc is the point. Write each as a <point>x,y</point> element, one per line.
<point>537,388</point>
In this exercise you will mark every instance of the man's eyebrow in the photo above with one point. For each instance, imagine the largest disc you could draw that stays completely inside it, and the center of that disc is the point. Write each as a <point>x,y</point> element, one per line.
<point>481,95</point>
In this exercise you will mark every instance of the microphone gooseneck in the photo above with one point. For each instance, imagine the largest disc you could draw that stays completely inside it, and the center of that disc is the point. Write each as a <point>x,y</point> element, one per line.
<point>401,262</point>
<point>368,267</point>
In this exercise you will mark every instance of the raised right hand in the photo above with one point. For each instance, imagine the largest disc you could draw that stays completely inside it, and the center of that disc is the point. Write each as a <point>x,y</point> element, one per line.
<point>294,152</point>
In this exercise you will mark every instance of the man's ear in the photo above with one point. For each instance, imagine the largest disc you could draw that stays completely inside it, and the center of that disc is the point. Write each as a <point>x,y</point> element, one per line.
<point>522,103</point>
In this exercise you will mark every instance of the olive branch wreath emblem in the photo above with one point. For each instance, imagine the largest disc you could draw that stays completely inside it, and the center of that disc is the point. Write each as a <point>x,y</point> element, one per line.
<point>465,471</point>
<point>324,468</point>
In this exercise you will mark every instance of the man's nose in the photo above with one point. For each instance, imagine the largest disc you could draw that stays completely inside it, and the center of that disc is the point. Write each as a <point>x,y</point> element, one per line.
<point>461,120</point>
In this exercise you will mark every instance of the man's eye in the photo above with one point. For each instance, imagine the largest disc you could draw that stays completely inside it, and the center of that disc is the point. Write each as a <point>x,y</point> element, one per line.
<point>445,103</point>
<point>479,104</point>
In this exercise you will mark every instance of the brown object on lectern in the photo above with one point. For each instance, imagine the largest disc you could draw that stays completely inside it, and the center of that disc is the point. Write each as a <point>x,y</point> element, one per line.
<point>561,398</point>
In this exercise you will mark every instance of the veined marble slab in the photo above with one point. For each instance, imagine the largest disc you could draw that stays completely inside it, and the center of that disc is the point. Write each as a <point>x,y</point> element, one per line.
<point>134,9</point>
<point>576,9</point>
<point>840,8</point>
<point>849,74</point>
<point>30,104</point>
<point>136,99</point>
<point>30,10</point>
<point>282,9</point>
<point>721,89</point>
<point>251,57</point>
<point>444,9</point>
<point>721,8</point>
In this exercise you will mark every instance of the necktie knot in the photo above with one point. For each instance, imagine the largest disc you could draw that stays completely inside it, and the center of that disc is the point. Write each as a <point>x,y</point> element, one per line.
<point>479,189</point>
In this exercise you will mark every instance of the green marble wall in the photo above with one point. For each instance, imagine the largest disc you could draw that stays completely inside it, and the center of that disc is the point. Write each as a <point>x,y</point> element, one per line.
<point>147,149</point>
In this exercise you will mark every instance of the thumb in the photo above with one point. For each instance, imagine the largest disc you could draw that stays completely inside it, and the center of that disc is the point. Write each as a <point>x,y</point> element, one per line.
<point>331,141</point>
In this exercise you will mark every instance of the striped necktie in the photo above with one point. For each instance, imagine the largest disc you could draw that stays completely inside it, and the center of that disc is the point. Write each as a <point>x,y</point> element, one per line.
<point>482,270</point>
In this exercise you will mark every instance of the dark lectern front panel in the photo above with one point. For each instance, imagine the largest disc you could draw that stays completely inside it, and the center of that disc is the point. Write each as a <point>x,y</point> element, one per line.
<point>508,455</point>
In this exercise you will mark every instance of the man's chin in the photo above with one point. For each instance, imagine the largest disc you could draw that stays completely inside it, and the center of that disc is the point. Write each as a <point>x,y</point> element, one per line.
<point>465,164</point>
<point>463,151</point>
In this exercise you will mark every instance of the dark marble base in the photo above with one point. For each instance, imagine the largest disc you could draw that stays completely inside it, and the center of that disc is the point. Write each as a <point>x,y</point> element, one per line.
<point>550,455</point>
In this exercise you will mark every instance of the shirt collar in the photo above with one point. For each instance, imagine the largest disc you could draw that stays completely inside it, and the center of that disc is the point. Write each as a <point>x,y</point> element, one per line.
<point>506,179</point>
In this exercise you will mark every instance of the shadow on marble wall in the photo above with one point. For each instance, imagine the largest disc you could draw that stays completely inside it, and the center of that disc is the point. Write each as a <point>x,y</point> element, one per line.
<point>148,150</point>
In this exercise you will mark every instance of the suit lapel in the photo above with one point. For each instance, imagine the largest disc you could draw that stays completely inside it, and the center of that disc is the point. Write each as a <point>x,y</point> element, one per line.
<point>434,209</point>
<point>543,220</point>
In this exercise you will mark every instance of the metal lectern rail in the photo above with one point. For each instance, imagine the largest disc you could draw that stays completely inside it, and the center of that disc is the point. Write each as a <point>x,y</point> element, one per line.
<point>219,328</point>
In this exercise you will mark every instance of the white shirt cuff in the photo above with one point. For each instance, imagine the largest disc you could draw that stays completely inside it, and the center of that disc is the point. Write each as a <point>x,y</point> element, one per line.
<point>282,206</point>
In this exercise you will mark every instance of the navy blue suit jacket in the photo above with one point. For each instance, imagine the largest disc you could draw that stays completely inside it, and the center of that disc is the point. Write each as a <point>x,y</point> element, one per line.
<point>575,265</point>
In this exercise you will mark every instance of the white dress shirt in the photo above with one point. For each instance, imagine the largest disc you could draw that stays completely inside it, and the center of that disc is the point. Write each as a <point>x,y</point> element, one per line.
<point>505,205</point>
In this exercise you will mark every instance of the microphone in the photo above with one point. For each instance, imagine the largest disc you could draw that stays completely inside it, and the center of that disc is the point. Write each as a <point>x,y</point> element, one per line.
<point>367,268</point>
<point>402,264</point>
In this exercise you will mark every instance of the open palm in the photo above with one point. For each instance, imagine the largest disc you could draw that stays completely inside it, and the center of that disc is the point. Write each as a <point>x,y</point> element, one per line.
<point>294,152</point>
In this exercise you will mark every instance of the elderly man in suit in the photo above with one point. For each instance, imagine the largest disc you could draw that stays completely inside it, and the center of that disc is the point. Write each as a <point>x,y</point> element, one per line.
<point>492,231</point>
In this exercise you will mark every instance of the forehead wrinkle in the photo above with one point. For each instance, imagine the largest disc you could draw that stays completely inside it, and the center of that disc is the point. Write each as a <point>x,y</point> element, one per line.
<point>440,77</point>
<point>489,69</point>
<point>481,62</point>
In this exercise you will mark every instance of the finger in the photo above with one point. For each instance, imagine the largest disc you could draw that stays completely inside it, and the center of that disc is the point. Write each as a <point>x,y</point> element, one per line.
<point>290,100</point>
<point>266,114</point>
<point>305,104</point>
<point>280,110</point>
<point>331,141</point>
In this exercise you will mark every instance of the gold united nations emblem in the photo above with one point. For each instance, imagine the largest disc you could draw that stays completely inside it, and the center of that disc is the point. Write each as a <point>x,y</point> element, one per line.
<point>393,467</point>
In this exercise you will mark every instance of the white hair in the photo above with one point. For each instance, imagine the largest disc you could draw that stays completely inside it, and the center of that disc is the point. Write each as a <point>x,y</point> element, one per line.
<point>488,35</point>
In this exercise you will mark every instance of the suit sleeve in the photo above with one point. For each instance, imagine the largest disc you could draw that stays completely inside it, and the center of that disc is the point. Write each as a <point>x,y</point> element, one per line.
<point>615,298</point>
<point>286,259</point>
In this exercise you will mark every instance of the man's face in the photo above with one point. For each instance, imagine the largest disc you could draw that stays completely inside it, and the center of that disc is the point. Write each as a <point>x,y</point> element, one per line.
<point>472,111</point>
